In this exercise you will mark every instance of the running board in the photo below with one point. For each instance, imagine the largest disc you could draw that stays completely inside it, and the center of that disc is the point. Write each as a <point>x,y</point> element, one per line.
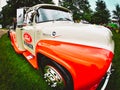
<point>31,59</point>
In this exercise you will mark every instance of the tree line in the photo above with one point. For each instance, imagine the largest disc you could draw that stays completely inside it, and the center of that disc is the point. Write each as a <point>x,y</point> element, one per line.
<point>80,8</point>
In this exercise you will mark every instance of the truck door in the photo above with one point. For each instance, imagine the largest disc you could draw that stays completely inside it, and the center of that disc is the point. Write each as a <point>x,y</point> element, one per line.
<point>28,34</point>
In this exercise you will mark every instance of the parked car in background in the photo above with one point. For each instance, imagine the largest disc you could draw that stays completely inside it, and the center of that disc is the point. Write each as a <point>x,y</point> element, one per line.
<point>0,25</point>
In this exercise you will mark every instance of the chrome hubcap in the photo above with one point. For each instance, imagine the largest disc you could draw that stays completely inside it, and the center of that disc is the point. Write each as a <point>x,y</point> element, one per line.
<point>53,77</point>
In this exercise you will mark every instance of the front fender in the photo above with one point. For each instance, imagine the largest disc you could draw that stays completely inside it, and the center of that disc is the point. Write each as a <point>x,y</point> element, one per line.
<point>86,64</point>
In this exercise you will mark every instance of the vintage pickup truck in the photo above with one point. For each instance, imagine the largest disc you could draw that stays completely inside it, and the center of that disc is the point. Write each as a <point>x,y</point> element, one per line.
<point>71,56</point>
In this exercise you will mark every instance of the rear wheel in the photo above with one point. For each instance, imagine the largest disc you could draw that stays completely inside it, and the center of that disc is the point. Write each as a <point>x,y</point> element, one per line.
<point>55,75</point>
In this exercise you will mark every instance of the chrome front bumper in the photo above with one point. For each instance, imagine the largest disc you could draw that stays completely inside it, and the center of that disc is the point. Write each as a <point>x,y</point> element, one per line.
<point>105,79</point>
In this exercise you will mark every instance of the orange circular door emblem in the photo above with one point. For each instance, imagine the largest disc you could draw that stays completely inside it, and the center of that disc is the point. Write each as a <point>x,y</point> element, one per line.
<point>27,38</point>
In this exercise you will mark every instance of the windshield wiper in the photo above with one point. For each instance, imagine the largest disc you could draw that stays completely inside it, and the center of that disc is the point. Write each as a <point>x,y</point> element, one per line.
<point>62,19</point>
<point>68,19</point>
<point>59,19</point>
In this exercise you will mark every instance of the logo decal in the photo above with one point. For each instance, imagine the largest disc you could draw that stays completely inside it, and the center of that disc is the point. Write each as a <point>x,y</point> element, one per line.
<point>29,45</point>
<point>27,38</point>
<point>53,33</point>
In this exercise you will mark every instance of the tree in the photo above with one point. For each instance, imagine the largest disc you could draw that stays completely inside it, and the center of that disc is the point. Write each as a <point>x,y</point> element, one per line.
<point>102,14</point>
<point>9,11</point>
<point>80,8</point>
<point>116,14</point>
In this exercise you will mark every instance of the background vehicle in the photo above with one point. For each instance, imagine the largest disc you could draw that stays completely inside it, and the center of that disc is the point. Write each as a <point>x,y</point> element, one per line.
<point>70,55</point>
<point>0,26</point>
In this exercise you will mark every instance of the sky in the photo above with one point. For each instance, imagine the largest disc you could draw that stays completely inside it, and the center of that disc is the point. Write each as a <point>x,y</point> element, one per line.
<point>109,3</point>
<point>2,3</point>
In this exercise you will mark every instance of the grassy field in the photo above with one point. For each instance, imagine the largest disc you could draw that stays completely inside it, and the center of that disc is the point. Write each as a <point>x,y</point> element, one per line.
<point>17,74</point>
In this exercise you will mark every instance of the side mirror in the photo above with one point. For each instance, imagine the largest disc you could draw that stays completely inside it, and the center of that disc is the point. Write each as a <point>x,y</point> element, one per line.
<point>11,27</point>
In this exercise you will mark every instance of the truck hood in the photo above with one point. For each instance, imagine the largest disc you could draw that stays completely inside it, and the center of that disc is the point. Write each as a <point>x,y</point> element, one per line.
<point>85,34</point>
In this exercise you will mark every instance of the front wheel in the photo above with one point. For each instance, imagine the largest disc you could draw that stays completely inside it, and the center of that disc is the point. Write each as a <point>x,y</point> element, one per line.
<point>55,75</point>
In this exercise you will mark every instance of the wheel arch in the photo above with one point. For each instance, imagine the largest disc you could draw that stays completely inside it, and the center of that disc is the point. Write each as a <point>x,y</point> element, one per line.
<point>39,56</point>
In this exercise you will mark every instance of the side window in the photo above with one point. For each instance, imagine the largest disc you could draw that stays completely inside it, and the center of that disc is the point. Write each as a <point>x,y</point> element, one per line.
<point>43,15</point>
<point>29,17</point>
<point>37,18</point>
<point>40,16</point>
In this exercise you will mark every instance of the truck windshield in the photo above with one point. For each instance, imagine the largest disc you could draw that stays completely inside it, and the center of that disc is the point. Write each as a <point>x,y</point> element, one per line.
<point>45,15</point>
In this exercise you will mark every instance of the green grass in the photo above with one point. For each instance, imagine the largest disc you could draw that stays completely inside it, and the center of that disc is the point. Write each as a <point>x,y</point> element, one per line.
<point>17,74</point>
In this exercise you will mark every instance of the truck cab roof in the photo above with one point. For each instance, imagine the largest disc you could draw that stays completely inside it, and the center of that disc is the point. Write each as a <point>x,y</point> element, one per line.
<point>48,6</point>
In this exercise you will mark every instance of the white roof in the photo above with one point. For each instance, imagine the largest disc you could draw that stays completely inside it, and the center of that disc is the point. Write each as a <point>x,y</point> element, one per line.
<point>46,5</point>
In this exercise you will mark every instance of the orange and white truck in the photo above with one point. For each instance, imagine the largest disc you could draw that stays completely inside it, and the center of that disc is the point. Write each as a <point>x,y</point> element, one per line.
<point>71,56</point>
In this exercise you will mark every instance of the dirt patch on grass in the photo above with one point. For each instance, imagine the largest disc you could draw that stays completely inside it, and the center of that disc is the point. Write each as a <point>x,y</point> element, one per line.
<point>2,32</point>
